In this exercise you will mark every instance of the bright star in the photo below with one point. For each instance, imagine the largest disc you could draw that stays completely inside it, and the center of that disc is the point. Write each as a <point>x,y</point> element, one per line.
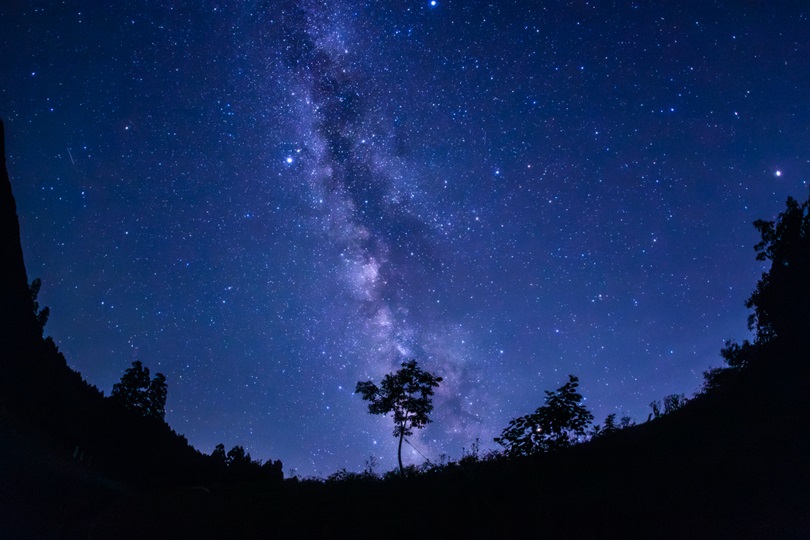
<point>289,160</point>
<point>778,173</point>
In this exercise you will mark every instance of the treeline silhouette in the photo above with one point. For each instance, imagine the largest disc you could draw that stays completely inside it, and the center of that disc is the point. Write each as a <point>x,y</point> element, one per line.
<point>730,462</point>
<point>62,433</point>
<point>123,436</point>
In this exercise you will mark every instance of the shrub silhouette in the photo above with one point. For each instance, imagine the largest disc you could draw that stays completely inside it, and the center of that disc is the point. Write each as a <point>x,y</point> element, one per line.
<point>560,422</point>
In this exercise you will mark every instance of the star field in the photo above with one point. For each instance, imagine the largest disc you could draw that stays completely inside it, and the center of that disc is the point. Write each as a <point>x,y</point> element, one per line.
<point>269,201</point>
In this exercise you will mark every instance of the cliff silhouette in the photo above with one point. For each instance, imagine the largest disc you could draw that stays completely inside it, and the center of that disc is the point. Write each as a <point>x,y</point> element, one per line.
<point>17,320</point>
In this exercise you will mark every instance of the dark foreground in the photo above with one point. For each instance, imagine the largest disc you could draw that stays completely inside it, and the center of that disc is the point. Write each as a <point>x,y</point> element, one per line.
<point>729,465</point>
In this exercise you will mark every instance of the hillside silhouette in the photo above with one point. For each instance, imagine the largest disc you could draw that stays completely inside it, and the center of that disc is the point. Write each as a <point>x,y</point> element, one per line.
<point>730,463</point>
<point>66,451</point>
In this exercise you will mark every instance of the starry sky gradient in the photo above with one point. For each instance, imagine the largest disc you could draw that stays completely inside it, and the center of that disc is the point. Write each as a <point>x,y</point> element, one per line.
<point>269,201</point>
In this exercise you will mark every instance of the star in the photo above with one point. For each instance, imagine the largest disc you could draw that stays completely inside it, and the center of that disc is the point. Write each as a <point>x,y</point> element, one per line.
<point>357,202</point>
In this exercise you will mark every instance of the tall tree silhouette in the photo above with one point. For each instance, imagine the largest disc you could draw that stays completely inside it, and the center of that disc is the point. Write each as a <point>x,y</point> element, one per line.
<point>781,300</point>
<point>140,394</point>
<point>406,393</point>
<point>156,396</point>
<point>559,423</point>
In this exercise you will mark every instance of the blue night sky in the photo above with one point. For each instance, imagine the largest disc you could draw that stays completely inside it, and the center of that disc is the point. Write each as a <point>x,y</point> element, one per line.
<point>269,201</point>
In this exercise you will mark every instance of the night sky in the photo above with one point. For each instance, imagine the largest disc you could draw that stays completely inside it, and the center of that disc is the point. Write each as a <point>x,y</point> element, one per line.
<point>269,201</point>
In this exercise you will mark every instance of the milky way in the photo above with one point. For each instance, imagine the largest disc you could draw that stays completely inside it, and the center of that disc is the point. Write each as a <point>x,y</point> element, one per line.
<point>375,222</point>
<point>270,201</point>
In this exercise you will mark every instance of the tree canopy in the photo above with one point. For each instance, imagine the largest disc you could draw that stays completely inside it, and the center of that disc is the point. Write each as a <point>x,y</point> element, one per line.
<point>559,423</point>
<point>408,394</point>
<point>140,394</point>
<point>781,300</point>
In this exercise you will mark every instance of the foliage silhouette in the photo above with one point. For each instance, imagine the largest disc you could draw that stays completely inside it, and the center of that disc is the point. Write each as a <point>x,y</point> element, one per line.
<point>138,393</point>
<point>406,393</point>
<point>611,425</point>
<point>273,471</point>
<point>40,315</point>
<point>559,423</point>
<point>670,404</point>
<point>473,454</point>
<point>237,465</point>
<point>781,300</point>
<point>736,357</point>
<point>238,457</point>
<point>219,456</point>
<point>370,466</point>
<point>157,394</point>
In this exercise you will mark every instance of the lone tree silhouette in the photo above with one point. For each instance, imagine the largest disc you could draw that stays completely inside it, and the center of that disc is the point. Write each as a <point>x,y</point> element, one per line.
<point>557,424</point>
<point>140,394</point>
<point>406,393</point>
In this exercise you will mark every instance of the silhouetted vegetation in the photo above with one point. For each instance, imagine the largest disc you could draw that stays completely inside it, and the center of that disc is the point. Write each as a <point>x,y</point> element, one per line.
<point>240,466</point>
<point>136,392</point>
<point>610,425</point>
<point>781,300</point>
<point>561,422</point>
<point>669,405</point>
<point>40,314</point>
<point>729,463</point>
<point>408,394</point>
<point>736,358</point>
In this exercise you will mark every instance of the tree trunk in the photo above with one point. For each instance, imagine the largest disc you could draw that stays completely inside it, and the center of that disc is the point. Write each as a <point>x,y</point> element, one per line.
<point>399,453</point>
